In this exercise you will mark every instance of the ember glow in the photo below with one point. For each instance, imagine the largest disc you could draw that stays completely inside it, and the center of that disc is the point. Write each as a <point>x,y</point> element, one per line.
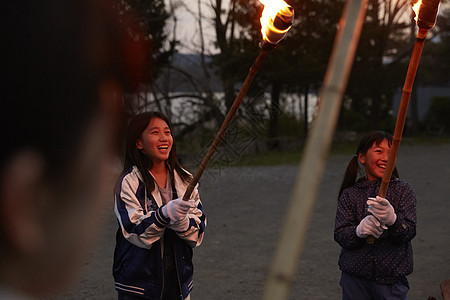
<point>416,8</point>
<point>276,20</point>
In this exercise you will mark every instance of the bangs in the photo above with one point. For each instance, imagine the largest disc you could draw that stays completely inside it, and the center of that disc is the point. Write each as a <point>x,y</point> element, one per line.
<point>374,137</point>
<point>379,140</point>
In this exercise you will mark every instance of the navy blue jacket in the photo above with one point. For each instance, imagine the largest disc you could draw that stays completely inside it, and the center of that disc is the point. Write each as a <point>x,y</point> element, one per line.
<point>138,260</point>
<point>390,257</point>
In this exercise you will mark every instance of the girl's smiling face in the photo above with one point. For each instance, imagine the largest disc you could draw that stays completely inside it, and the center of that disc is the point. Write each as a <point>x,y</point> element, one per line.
<point>156,140</point>
<point>375,160</point>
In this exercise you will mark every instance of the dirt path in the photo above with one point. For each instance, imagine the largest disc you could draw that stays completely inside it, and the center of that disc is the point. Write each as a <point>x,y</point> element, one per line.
<point>245,209</point>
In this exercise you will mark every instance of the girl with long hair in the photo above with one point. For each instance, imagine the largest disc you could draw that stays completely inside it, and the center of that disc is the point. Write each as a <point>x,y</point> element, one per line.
<point>157,229</point>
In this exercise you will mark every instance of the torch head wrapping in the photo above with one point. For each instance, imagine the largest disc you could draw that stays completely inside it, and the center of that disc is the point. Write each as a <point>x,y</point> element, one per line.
<point>276,28</point>
<point>426,18</point>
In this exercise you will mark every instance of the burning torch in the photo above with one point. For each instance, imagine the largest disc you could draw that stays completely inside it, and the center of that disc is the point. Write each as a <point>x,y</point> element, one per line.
<point>426,12</point>
<point>276,20</point>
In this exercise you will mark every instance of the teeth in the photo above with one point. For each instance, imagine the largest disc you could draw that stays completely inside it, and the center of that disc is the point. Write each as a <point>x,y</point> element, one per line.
<point>382,166</point>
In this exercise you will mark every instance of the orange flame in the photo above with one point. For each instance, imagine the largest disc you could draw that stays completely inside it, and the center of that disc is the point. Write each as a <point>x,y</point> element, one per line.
<point>269,31</point>
<point>416,8</point>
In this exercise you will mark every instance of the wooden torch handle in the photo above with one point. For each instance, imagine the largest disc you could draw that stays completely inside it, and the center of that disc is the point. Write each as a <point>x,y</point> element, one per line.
<point>401,117</point>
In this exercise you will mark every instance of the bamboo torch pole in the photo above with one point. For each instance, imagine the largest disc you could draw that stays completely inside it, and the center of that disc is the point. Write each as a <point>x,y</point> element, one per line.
<point>316,151</point>
<point>426,18</point>
<point>226,123</point>
<point>280,24</point>
<point>401,116</point>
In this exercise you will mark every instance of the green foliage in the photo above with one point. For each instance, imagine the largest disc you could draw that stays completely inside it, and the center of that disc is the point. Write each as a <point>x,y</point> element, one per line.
<point>437,118</point>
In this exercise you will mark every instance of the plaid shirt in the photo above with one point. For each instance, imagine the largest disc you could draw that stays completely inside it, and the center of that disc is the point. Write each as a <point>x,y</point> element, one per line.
<point>390,257</point>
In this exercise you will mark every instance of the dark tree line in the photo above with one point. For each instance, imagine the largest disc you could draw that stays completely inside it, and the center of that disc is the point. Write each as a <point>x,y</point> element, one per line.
<point>297,65</point>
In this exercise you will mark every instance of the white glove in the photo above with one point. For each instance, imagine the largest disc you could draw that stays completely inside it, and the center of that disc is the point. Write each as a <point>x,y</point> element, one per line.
<point>382,210</point>
<point>177,209</point>
<point>369,226</point>
<point>180,226</point>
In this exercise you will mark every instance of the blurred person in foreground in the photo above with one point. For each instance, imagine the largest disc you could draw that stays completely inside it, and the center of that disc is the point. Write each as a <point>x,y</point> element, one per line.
<point>65,65</point>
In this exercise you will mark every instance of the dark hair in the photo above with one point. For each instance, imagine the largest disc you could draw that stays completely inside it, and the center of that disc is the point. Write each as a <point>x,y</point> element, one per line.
<point>353,168</point>
<point>135,157</point>
<point>54,57</point>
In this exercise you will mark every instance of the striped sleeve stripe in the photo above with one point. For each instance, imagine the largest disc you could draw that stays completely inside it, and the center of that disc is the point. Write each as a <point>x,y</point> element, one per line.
<point>155,218</point>
<point>161,221</point>
<point>127,224</point>
<point>192,223</point>
<point>190,286</point>
<point>129,288</point>
<point>202,218</point>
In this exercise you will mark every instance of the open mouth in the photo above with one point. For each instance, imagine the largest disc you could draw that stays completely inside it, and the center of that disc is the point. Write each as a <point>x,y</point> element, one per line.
<point>163,147</point>
<point>382,166</point>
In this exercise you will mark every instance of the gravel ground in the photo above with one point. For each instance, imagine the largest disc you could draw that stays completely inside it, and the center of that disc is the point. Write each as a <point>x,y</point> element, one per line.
<point>245,207</point>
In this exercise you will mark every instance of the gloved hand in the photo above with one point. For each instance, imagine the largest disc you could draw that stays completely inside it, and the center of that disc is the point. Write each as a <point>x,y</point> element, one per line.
<point>180,226</point>
<point>382,210</point>
<point>177,209</point>
<point>369,226</point>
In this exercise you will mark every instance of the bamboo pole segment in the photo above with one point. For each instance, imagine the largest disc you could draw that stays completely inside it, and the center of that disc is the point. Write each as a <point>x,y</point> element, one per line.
<point>401,116</point>
<point>426,19</point>
<point>402,111</point>
<point>316,151</point>
<point>226,123</point>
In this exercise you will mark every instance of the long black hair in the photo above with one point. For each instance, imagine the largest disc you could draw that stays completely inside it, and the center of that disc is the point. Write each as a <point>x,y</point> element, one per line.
<point>353,168</point>
<point>135,156</point>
